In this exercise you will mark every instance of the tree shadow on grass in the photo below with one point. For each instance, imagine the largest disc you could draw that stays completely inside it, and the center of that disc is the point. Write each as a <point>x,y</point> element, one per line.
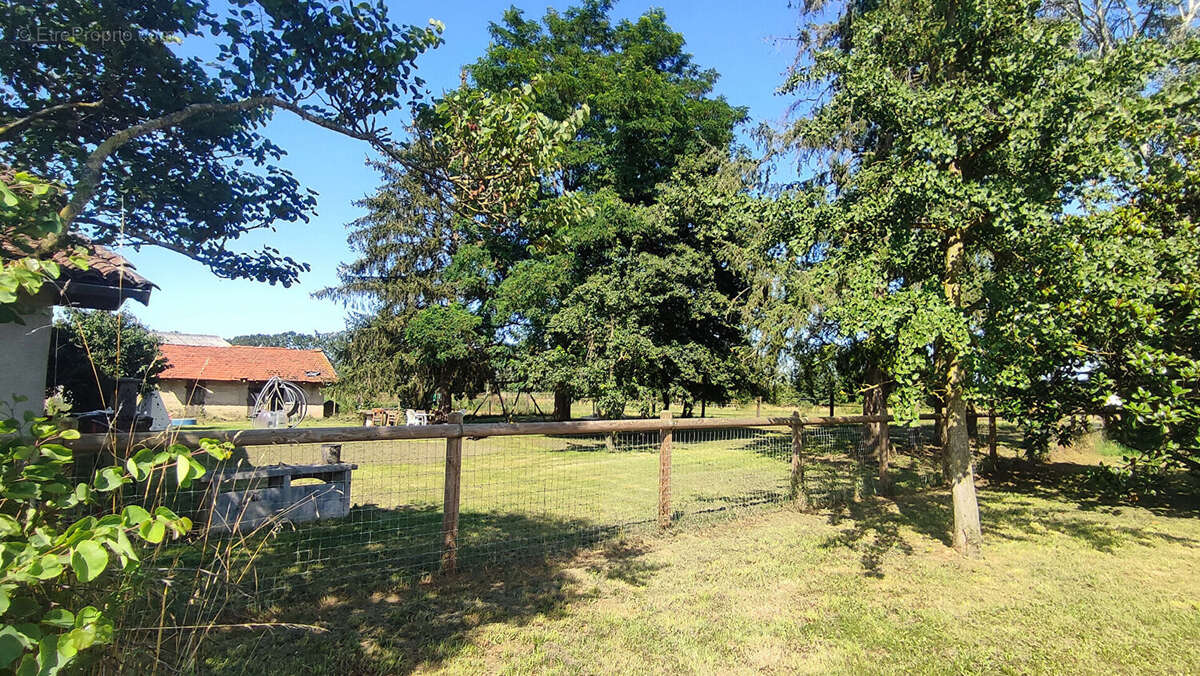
<point>1176,495</point>
<point>1084,505</point>
<point>872,532</point>
<point>1035,500</point>
<point>1026,521</point>
<point>363,595</point>
<point>874,527</point>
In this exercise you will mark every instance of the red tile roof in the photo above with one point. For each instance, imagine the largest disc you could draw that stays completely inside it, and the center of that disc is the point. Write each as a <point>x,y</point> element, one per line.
<point>105,266</point>
<point>241,362</point>
<point>108,280</point>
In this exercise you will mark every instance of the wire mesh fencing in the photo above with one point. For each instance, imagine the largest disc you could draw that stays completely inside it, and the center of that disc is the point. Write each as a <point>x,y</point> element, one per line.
<point>281,522</point>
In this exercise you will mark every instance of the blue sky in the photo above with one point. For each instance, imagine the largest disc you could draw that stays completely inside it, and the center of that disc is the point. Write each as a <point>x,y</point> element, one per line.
<point>738,39</point>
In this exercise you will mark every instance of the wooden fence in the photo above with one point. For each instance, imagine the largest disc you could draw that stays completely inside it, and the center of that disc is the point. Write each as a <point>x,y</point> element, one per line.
<point>456,430</point>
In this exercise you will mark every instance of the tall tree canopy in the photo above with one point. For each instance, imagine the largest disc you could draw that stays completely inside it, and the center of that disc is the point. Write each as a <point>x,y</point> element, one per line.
<point>165,148</point>
<point>628,301</point>
<point>955,138</point>
<point>650,103</point>
<point>633,302</point>
<point>1112,329</point>
<point>426,270</point>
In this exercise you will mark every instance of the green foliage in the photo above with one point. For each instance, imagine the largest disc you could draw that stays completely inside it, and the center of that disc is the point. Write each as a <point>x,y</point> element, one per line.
<point>993,190</point>
<point>29,229</point>
<point>969,129</point>
<point>497,147</point>
<point>587,246</point>
<point>445,349</point>
<point>194,184</point>
<point>649,101</point>
<point>325,341</point>
<point>1114,330</point>
<point>821,371</point>
<point>430,247</point>
<point>1153,368</point>
<point>91,349</point>
<point>631,302</point>
<point>28,206</point>
<point>62,541</point>
<point>641,306</point>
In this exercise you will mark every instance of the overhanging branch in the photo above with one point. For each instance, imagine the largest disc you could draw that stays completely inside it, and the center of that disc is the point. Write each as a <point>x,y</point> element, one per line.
<point>21,124</point>
<point>89,179</point>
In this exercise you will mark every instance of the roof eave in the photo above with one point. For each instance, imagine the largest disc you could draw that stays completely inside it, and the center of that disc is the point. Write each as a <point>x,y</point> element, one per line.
<point>101,296</point>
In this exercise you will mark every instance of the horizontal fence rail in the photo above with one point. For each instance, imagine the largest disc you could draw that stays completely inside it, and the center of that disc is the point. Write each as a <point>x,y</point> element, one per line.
<point>317,435</point>
<point>303,512</point>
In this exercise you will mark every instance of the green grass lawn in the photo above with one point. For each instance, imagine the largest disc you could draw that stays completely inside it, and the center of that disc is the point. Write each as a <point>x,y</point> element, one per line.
<point>1066,586</point>
<point>531,494</point>
<point>743,581</point>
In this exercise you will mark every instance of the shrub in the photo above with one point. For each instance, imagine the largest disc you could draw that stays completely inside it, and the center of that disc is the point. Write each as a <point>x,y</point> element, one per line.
<point>63,541</point>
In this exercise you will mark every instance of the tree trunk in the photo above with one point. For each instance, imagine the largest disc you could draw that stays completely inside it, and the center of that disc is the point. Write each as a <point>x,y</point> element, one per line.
<point>940,429</point>
<point>876,435</point>
<point>939,405</point>
<point>831,402</point>
<point>562,403</point>
<point>968,537</point>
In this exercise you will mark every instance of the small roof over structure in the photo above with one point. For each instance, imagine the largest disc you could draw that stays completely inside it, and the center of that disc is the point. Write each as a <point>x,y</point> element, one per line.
<point>108,280</point>
<point>245,363</point>
<point>194,339</point>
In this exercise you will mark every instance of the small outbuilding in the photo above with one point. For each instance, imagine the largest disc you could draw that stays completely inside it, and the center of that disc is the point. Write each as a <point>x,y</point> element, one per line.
<point>223,381</point>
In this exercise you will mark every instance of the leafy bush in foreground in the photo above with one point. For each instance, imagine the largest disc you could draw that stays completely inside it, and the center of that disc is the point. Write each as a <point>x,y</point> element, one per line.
<point>62,540</point>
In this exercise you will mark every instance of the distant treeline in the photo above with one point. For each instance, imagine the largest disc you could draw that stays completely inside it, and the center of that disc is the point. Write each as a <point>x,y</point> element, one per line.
<point>324,341</point>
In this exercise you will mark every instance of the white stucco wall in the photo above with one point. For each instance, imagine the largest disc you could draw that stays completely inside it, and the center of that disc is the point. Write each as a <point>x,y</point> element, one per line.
<point>24,351</point>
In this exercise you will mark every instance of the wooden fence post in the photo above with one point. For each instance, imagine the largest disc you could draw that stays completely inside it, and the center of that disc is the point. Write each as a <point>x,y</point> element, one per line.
<point>450,496</point>
<point>992,438</point>
<point>799,489</point>
<point>664,472</point>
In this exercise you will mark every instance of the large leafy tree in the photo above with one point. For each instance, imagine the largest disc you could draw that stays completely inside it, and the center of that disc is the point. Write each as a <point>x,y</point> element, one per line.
<point>640,306</point>
<point>429,260</point>
<point>650,102</point>
<point>165,148</point>
<point>632,302</point>
<point>1110,331</point>
<point>92,349</point>
<point>27,219</point>
<point>1114,329</point>
<point>1150,364</point>
<point>957,136</point>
